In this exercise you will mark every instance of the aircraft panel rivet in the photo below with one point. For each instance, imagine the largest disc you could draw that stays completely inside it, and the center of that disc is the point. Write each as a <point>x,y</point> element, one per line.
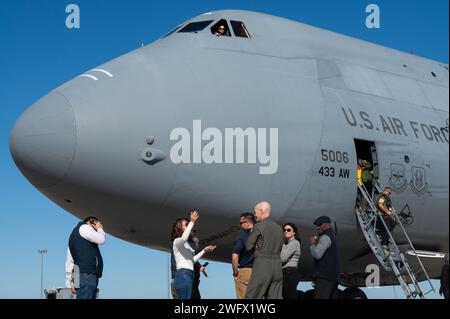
<point>150,140</point>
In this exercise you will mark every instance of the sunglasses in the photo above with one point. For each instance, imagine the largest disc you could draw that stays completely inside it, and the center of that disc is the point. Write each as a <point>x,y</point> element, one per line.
<point>288,230</point>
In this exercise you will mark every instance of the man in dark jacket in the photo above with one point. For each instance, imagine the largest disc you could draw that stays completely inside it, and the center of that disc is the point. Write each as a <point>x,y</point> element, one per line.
<point>84,264</point>
<point>267,239</point>
<point>324,249</point>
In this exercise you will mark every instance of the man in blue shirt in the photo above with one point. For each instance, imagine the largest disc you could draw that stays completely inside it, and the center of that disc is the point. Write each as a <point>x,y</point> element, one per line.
<point>242,259</point>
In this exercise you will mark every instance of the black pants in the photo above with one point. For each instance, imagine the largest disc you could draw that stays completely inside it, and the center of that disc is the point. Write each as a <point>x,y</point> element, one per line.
<point>325,289</point>
<point>195,287</point>
<point>383,232</point>
<point>290,282</point>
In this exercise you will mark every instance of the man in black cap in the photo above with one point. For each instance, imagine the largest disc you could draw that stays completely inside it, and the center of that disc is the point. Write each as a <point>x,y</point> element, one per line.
<point>326,260</point>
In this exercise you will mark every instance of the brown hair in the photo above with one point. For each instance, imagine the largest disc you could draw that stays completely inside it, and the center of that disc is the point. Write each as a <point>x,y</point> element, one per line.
<point>177,229</point>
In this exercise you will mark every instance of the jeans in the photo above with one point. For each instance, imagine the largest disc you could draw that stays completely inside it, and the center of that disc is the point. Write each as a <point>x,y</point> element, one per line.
<point>88,286</point>
<point>184,280</point>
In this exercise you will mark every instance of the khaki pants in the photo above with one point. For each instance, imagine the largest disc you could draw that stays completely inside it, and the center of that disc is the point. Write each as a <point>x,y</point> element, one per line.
<point>241,282</point>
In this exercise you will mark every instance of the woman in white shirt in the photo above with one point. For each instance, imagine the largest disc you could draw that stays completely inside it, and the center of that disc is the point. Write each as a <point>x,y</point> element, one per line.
<point>185,255</point>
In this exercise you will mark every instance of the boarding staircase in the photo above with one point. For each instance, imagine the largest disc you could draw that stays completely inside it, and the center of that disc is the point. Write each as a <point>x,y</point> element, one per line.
<point>392,258</point>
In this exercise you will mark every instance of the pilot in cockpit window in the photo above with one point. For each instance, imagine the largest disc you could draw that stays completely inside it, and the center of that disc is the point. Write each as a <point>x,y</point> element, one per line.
<point>221,29</point>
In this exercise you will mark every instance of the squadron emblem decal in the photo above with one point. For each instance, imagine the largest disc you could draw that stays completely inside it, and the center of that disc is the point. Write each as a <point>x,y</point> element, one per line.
<point>397,179</point>
<point>418,182</point>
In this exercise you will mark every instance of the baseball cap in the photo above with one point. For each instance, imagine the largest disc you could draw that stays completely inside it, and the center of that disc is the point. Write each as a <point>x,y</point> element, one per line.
<point>322,220</point>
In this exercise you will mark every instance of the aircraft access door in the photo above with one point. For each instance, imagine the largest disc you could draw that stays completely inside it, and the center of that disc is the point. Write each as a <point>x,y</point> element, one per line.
<point>367,161</point>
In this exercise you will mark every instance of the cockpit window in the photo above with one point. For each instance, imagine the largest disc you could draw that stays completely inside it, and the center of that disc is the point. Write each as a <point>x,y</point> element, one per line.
<point>195,26</point>
<point>239,29</point>
<point>173,31</point>
<point>221,29</point>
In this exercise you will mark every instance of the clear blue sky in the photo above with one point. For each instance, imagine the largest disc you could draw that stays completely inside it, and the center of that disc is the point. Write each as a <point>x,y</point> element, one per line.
<point>38,53</point>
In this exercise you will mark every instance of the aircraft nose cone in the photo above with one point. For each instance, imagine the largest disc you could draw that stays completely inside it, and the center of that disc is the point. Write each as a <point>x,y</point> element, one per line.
<point>42,142</point>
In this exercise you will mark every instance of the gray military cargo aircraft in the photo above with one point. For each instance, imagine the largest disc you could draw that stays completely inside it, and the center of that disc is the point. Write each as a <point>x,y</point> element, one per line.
<point>269,109</point>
